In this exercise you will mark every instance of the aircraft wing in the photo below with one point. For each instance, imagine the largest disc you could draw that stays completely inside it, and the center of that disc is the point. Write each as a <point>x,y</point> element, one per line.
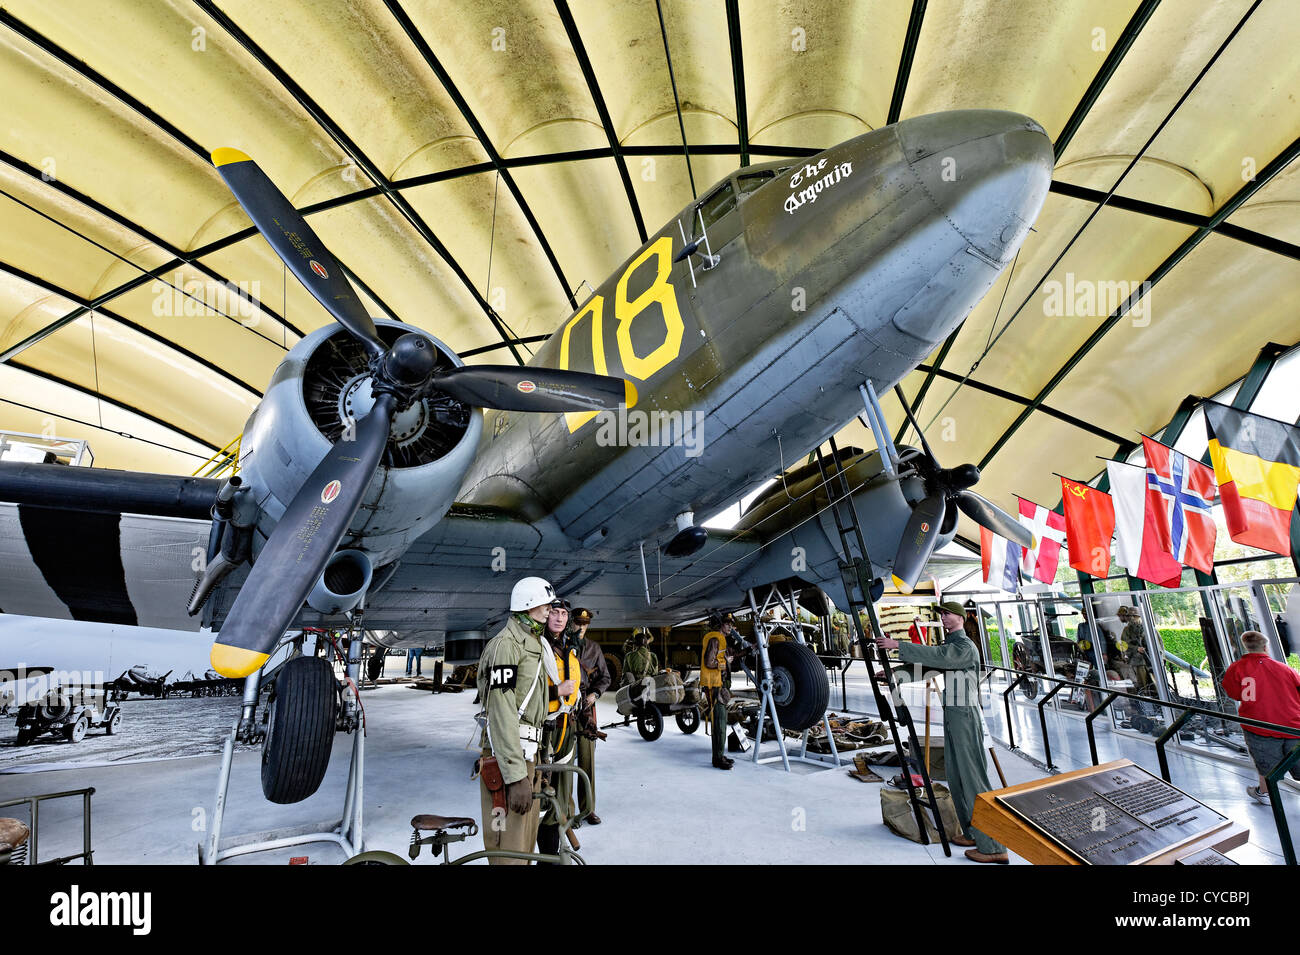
<point>458,576</point>
<point>121,547</point>
<point>100,545</point>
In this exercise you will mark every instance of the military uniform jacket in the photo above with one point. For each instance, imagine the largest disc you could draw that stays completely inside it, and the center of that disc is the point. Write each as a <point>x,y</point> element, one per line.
<point>711,676</point>
<point>510,667</point>
<point>595,671</point>
<point>641,662</point>
<point>959,658</point>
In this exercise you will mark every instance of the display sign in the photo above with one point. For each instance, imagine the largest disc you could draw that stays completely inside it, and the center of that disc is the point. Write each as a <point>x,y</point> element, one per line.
<point>1121,816</point>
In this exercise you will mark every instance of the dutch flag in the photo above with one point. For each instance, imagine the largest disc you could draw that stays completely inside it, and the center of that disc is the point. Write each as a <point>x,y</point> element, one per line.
<point>1001,560</point>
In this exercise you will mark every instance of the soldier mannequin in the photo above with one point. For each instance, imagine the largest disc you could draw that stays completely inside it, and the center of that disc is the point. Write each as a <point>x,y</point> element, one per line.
<point>561,700</point>
<point>963,723</point>
<point>713,665</point>
<point>640,661</point>
<point>512,676</point>
<point>595,681</point>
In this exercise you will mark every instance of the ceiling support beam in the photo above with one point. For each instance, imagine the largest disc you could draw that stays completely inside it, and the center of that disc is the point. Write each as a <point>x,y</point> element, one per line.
<point>1113,59</point>
<point>1108,68</point>
<point>910,39</point>
<point>1022,400</point>
<point>738,78</point>
<point>83,303</point>
<point>598,98</point>
<point>677,101</point>
<point>82,389</point>
<point>1280,162</point>
<point>1169,214</point>
<point>354,152</point>
<point>430,58</point>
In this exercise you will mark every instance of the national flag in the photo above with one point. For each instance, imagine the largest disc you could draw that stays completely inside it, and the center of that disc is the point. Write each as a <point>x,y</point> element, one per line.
<point>1048,528</point>
<point>1182,493</point>
<point>1089,526</point>
<point>1000,558</point>
<point>1137,545</point>
<point>1257,465</point>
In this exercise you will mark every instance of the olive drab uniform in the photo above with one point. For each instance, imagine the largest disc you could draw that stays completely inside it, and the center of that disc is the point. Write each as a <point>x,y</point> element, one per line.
<point>639,663</point>
<point>964,752</point>
<point>512,677</point>
<point>562,735</point>
<point>595,679</point>
<point>713,664</point>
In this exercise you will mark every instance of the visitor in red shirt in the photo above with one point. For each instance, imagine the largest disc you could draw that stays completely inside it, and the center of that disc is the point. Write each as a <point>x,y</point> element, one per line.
<point>914,631</point>
<point>1269,691</point>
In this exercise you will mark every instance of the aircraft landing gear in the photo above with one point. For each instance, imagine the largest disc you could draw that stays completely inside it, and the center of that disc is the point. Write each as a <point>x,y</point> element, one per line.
<point>300,729</point>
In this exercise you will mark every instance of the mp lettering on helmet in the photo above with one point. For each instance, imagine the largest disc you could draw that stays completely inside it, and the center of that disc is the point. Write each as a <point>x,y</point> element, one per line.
<point>503,677</point>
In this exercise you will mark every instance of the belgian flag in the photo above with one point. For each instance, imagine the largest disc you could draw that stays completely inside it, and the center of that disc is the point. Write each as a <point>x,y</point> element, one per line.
<point>1257,465</point>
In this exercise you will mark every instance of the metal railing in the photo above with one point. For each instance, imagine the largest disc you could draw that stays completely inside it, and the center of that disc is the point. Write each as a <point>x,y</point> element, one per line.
<point>33,804</point>
<point>1272,777</point>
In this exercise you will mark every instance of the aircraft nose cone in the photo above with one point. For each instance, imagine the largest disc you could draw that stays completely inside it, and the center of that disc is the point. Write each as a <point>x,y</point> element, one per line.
<point>987,171</point>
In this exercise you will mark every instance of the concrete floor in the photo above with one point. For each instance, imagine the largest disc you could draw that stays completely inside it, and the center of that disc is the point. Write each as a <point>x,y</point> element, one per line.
<point>662,803</point>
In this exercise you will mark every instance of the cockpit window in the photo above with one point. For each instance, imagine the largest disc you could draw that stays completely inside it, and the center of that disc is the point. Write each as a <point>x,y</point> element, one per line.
<point>715,207</point>
<point>750,181</point>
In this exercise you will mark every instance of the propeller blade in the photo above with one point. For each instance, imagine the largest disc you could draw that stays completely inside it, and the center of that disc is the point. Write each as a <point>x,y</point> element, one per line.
<point>300,546</point>
<point>917,544</point>
<point>512,388</point>
<point>987,514</point>
<point>296,244</point>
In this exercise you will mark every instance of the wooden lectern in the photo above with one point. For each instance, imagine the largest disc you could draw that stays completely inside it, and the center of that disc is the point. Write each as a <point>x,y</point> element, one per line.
<point>1113,814</point>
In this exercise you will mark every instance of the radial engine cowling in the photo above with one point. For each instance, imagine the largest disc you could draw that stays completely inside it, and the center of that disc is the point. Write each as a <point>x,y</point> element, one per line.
<point>344,582</point>
<point>319,391</point>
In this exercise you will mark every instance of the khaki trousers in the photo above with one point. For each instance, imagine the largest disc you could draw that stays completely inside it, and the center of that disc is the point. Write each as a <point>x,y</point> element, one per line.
<point>587,763</point>
<point>509,830</point>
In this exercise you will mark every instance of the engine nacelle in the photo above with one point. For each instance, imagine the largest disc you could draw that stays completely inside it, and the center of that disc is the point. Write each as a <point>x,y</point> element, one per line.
<point>318,392</point>
<point>343,583</point>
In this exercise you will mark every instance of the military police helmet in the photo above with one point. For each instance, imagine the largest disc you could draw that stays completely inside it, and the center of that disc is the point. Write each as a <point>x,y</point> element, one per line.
<point>531,592</point>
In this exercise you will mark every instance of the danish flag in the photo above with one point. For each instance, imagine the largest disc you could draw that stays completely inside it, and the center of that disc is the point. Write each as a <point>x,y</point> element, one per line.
<point>1048,528</point>
<point>1180,501</point>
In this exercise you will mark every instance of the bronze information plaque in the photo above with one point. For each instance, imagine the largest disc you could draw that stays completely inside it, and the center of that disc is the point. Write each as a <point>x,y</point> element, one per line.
<point>1119,816</point>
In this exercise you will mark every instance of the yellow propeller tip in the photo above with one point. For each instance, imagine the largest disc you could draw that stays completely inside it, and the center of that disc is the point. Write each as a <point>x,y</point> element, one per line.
<point>225,155</point>
<point>236,662</point>
<point>900,584</point>
<point>629,393</point>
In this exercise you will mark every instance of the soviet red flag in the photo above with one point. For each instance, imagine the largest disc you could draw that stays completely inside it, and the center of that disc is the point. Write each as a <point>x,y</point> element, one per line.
<point>1089,526</point>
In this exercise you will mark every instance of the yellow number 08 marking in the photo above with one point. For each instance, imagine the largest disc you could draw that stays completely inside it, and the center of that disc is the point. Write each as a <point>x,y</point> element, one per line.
<point>661,291</point>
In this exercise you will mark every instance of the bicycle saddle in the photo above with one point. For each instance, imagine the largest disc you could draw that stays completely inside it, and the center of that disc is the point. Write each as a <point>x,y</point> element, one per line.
<point>430,822</point>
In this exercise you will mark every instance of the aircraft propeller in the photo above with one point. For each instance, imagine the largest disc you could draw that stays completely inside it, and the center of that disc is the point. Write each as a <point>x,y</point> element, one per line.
<point>945,486</point>
<point>316,519</point>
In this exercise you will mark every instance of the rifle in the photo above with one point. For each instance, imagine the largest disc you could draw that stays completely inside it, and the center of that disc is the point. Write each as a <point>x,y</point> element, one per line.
<point>587,724</point>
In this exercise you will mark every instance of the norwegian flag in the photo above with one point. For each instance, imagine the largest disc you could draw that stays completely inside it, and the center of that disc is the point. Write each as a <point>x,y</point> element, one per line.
<point>1180,498</point>
<point>1048,528</point>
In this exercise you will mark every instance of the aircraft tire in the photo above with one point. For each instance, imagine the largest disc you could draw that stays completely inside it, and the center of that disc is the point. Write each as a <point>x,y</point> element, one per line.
<point>299,730</point>
<point>800,686</point>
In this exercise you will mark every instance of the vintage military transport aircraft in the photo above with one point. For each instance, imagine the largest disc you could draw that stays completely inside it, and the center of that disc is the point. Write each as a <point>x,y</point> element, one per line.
<point>380,472</point>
